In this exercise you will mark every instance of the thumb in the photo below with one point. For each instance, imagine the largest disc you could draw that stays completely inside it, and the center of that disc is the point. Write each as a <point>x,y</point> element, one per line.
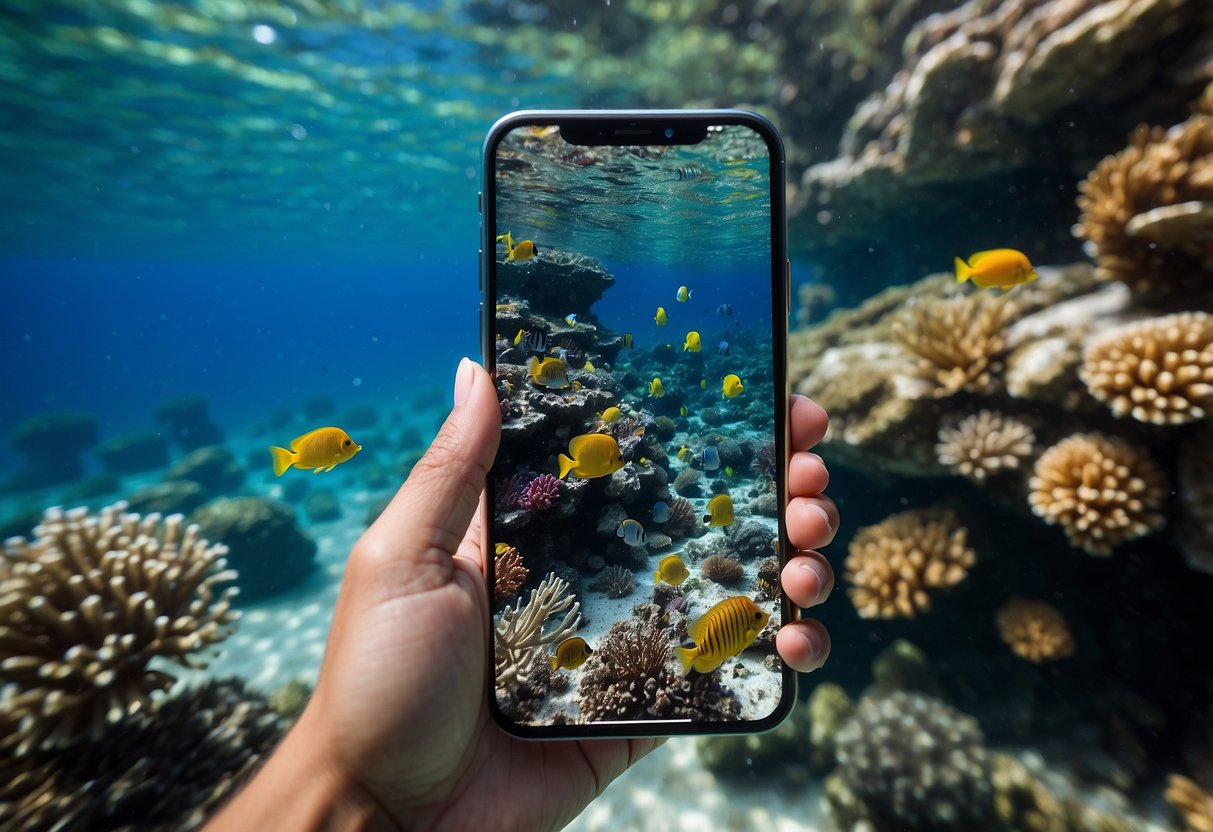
<point>422,527</point>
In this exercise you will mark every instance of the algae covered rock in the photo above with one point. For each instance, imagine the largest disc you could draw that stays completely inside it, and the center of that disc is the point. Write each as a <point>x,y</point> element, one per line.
<point>189,422</point>
<point>132,453</point>
<point>265,543</point>
<point>556,282</point>
<point>216,469</point>
<point>52,444</point>
<point>174,497</point>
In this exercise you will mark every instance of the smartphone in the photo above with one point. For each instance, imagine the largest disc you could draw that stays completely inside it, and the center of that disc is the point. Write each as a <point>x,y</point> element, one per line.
<point>634,318</point>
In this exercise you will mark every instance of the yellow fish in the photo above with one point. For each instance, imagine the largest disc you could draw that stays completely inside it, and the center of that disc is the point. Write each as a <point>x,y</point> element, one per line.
<point>589,368</point>
<point>627,340</point>
<point>720,511</point>
<point>684,453</point>
<point>682,411</point>
<point>999,267</point>
<point>517,253</point>
<point>728,470</point>
<point>684,294</point>
<point>502,548</point>
<point>611,414</point>
<point>518,337</point>
<point>660,317</point>
<point>570,654</point>
<point>550,372</point>
<point>656,388</point>
<point>732,386</point>
<point>592,455</point>
<point>672,570</point>
<point>692,342</point>
<point>322,449</point>
<point>703,384</point>
<point>725,630</point>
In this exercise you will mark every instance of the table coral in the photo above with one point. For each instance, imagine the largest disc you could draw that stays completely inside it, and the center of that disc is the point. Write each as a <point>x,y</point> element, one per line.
<point>1101,490</point>
<point>1034,630</point>
<point>983,444</point>
<point>1159,370</point>
<point>958,342</point>
<point>520,629</point>
<point>894,563</point>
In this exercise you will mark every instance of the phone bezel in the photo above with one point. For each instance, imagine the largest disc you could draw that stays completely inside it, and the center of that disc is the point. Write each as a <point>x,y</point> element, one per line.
<point>684,123</point>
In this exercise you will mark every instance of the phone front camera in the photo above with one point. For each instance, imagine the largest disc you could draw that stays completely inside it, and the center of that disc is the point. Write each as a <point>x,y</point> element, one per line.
<point>669,132</point>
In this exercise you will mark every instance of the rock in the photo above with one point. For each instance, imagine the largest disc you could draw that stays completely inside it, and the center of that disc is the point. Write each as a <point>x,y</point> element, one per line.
<point>189,423</point>
<point>214,468</point>
<point>98,485</point>
<point>52,444</point>
<point>176,497</point>
<point>265,543</point>
<point>557,282</point>
<point>322,506</point>
<point>131,453</point>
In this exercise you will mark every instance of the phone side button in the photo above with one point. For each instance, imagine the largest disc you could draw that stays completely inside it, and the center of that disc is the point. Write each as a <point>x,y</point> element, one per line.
<point>480,202</point>
<point>787,287</point>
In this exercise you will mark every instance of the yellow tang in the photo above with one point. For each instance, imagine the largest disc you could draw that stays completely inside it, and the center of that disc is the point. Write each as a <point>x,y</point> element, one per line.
<point>518,337</point>
<point>611,414</point>
<point>589,368</point>
<point>999,267</point>
<point>692,342</point>
<point>671,570</point>
<point>656,388</point>
<point>684,294</point>
<point>322,449</point>
<point>523,251</point>
<point>732,386</point>
<point>722,632</point>
<point>720,511</point>
<point>660,317</point>
<point>550,372</point>
<point>570,654</point>
<point>684,453</point>
<point>593,455</point>
<point>502,548</point>
<point>627,340</point>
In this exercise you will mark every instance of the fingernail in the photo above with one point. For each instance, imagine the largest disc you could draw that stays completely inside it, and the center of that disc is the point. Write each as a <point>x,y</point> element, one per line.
<point>825,516</point>
<point>819,572</point>
<point>463,381</point>
<point>814,645</point>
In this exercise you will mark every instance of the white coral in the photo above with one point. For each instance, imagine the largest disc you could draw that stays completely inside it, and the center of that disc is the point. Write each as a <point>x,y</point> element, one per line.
<point>983,444</point>
<point>520,633</point>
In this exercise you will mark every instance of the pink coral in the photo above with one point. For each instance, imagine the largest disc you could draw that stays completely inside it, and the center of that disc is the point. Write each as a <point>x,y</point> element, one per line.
<point>540,493</point>
<point>510,492</point>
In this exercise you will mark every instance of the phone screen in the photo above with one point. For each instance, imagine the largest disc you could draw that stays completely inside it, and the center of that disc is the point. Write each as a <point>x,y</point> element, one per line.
<point>635,324</point>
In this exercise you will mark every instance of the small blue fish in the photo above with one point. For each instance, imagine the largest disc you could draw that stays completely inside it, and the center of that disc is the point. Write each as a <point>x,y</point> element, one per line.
<point>711,458</point>
<point>632,533</point>
<point>571,320</point>
<point>661,512</point>
<point>723,348</point>
<point>724,309</point>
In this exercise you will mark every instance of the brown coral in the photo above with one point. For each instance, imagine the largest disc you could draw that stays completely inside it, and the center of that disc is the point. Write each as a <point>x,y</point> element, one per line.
<point>1146,212</point>
<point>682,517</point>
<point>1034,630</point>
<point>983,444</point>
<point>87,605</point>
<point>1158,371</point>
<point>1193,803</point>
<point>957,341</point>
<point>1100,490</point>
<point>894,563</point>
<point>721,569</point>
<point>508,574</point>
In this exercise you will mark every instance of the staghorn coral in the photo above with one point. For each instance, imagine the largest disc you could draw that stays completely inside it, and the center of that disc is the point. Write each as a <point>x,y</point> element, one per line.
<point>894,563</point>
<point>1158,370</point>
<point>1145,211</point>
<point>1102,491</point>
<point>520,630</point>
<point>983,444</point>
<point>1193,803</point>
<point>957,341</point>
<point>540,493</point>
<point>86,606</point>
<point>722,570</point>
<point>615,581</point>
<point>508,574</point>
<point>1034,630</point>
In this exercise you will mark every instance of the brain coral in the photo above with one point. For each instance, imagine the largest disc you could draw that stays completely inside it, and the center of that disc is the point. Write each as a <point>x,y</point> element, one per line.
<point>1100,490</point>
<point>894,563</point>
<point>984,443</point>
<point>1034,630</point>
<point>957,341</point>
<point>1159,370</point>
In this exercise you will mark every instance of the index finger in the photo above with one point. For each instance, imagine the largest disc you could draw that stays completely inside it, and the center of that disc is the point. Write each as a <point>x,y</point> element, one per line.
<point>809,423</point>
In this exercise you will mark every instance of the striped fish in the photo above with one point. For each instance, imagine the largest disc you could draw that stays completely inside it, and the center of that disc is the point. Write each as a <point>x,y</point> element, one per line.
<point>721,633</point>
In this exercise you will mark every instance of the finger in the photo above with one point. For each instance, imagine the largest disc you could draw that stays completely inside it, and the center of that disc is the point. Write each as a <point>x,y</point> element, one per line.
<point>807,475</point>
<point>809,423</point>
<point>804,645</point>
<point>472,549</point>
<point>812,521</point>
<point>807,579</point>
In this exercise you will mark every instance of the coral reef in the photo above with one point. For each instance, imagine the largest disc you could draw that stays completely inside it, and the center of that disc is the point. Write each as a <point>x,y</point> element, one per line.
<point>540,493</point>
<point>557,283</point>
<point>766,582</point>
<point>1101,490</point>
<point>894,563</point>
<point>957,341</point>
<point>264,543</point>
<point>215,468</point>
<point>775,756</point>
<point>1194,804</point>
<point>1158,370</point>
<point>829,708</point>
<point>322,506</point>
<point>1034,630</point>
<point>87,605</point>
<point>614,581</point>
<point>723,570</point>
<point>687,483</point>
<point>983,444</point>
<point>52,444</point>
<point>750,539</point>
<point>682,517</point>
<point>189,422</point>
<point>1021,802</point>
<point>520,632</point>
<point>508,574</point>
<point>132,453</point>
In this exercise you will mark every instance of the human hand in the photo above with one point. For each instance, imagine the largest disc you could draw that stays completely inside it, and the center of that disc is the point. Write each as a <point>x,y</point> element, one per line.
<point>398,733</point>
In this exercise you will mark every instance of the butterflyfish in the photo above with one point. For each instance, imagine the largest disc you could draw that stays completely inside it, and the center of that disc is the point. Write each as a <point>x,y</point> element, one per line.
<point>322,449</point>
<point>661,318</point>
<point>691,344</point>
<point>724,309</point>
<point>723,348</point>
<point>627,340</point>
<point>671,570</point>
<point>732,386</point>
<point>611,414</point>
<point>591,455</point>
<point>685,174</point>
<point>656,388</point>
<point>661,511</point>
<point>711,458</point>
<point>632,532</point>
<point>571,320</point>
<point>722,632</point>
<point>684,453</point>
<point>570,654</point>
<point>684,294</point>
<point>534,340</point>
<point>999,267</point>
<point>550,372</point>
<point>720,511</point>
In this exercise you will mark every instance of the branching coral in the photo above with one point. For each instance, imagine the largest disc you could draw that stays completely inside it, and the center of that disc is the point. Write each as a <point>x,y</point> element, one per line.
<point>508,574</point>
<point>86,606</point>
<point>615,581</point>
<point>1101,491</point>
<point>540,493</point>
<point>957,342</point>
<point>1159,370</point>
<point>1193,803</point>
<point>894,563</point>
<point>520,630</point>
<point>1034,630</point>
<point>983,444</point>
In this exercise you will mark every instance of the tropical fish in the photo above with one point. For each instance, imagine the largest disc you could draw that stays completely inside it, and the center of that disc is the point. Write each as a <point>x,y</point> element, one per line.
<point>534,340</point>
<point>692,342</point>
<point>661,318</point>
<point>682,410</point>
<point>732,386</point>
<point>571,320</point>
<point>518,337</point>
<point>723,348</point>
<point>632,533</point>
<point>502,548</point>
<point>588,367</point>
<point>550,372</point>
<point>524,250</point>
<point>725,630</point>
<point>685,174</point>
<point>711,458</point>
<point>639,431</point>
<point>322,449</point>
<point>724,309</point>
<point>672,570</point>
<point>703,384</point>
<point>999,267</point>
<point>720,511</point>
<point>611,414</point>
<point>684,453</point>
<point>627,340</point>
<point>683,294</point>
<point>656,389</point>
<point>570,654</point>
<point>592,455</point>
<point>661,512</point>
<point>728,470</point>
